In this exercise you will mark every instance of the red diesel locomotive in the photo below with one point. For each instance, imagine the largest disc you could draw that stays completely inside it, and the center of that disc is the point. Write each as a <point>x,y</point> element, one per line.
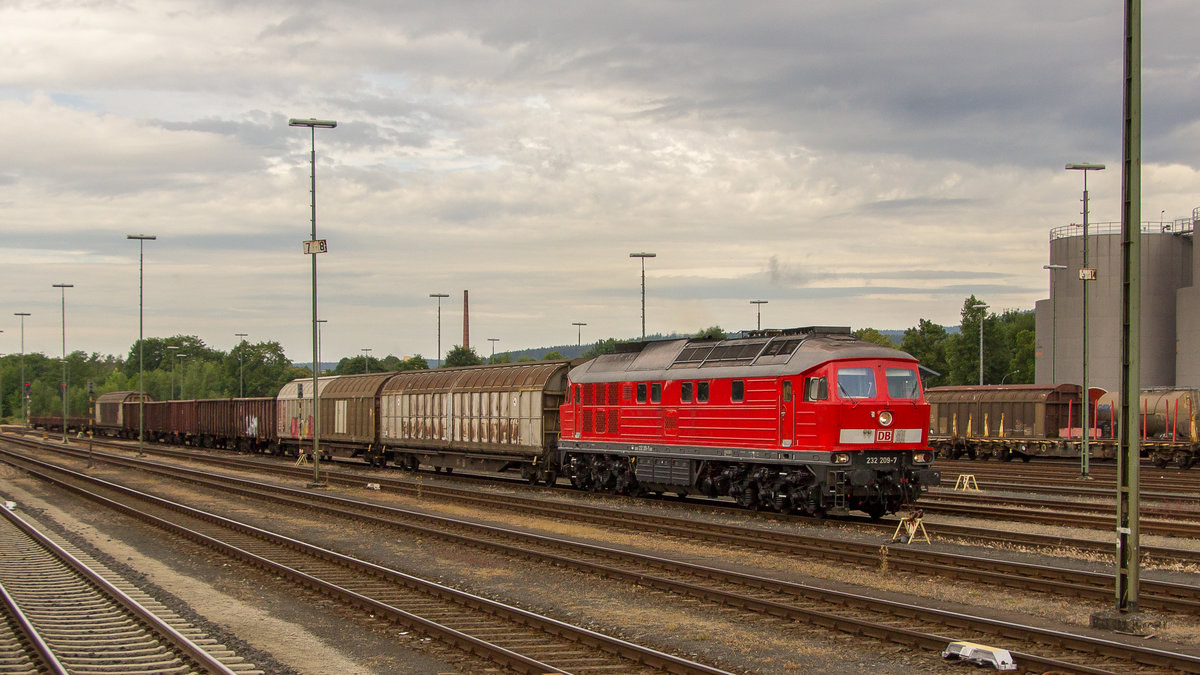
<point>810,419</point>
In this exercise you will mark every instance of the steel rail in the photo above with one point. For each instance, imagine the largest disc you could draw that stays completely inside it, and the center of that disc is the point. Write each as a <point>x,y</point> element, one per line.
<point>174,640</point>
<point>623,649</point>
<point>29,633</point>
<point>1044,578</point>
<point>1074,643</point>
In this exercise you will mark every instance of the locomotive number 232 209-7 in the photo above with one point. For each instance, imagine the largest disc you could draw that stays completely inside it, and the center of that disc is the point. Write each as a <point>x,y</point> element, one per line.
<point>882,460</point>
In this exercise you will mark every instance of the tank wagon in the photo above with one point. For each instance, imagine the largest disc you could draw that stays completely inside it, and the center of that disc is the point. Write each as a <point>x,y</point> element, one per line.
<point>1023,421</point>
<point>810,419</point>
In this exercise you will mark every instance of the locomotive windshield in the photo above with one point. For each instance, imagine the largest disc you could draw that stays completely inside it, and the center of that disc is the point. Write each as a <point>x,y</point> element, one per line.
<point>903,383</point>
<point>856,383</point>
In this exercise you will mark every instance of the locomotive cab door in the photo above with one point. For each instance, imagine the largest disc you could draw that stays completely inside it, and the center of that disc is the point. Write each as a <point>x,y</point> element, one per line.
<point>787,414</point>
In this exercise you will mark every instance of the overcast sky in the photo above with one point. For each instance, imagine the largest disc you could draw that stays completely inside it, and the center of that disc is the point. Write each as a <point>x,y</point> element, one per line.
<point>862,163</point>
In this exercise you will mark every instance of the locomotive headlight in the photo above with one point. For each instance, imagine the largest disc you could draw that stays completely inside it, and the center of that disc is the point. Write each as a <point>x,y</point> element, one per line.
<point>841,458</point>
<point>885,418</point>
<point>922,457</point>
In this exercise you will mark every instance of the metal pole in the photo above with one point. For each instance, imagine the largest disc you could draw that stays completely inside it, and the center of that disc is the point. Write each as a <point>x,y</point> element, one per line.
<point>241,367</point>
<point>579,332</point>
<point>171,351</point>
<point>65,382</point>
<point>439,297</point>
<point>366,359</point>
<point>983,309</point>
<point>141,240</point>
<point>312,125</point>
<point>643,256</point>
<point>760,303</point>
<point>1053,321</point>
<point>1131,282</point>
<point>493,341</point>
<point>1086,274</point>
<point>24,394</point>
<point>982,318</point>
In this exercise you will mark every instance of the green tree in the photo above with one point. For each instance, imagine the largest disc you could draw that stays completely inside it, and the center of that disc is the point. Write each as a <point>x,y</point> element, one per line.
<point>711,333</point>
<point>462,356</point>
<point>605,346</point>
<point>414,362</point>
<point>553,356</point>
<point>873,336</point>
<point>506,357</point>
<point>928,341</point>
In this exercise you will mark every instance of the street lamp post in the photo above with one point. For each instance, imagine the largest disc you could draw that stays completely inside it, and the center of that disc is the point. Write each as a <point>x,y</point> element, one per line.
<point>24,393</point>
<point>493,341</point>
<point>366,358</point>
<point>760,303</point>
<point>313,247</point>
<point>439,297</point>
<point>643,256</point>
<point>1086,274</point>
<point>65,382</point>
<point>1053,322</point>
<point>181,356</point>
<point>141,240</point>
<point>982,318</point>
<point>173,349</point>
<point>241,365</point>
<point>578,332</point>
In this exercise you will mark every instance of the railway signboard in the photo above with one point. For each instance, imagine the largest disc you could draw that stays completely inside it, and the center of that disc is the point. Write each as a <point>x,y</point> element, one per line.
<point>1087,274</point>
<point>315,246</point>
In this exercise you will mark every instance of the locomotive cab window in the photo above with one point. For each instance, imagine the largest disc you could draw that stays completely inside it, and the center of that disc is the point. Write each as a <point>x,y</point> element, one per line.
<point>656,392</point>
<point>685,392</point>
<point>856,383</point>
<point>702,392</point>
<point>641,392</point>
<point>903,383</point>
<point>816,389</point>
<point>737,392</point>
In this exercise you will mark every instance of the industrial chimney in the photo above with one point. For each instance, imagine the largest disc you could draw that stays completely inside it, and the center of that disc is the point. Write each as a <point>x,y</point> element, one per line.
<point>466,323</point>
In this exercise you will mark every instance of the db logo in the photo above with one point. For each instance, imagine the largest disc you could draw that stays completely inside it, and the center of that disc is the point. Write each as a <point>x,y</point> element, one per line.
<point>883,435</point>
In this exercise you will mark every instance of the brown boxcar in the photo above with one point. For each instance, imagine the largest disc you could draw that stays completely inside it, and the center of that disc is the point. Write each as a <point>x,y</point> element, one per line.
<point>110,417</point>
<point>481,417</point>
<point>1004,420</point>
<point>350,416</point>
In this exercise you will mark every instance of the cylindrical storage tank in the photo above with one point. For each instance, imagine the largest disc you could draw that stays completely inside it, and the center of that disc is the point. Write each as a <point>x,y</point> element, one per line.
<point>1166,268</point>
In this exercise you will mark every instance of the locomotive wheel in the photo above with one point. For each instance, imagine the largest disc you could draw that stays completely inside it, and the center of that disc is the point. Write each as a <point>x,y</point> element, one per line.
<point>876,510</point>
<point>1160,462</point>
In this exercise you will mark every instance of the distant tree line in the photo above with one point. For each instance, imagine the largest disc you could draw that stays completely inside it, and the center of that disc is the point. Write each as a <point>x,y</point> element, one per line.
<point>184,367</point>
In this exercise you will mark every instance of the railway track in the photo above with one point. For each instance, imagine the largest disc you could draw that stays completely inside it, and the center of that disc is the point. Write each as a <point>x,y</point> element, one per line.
<point>991,571</point>
<point>897,622</point>
<point>988,535</point>
<point>518,640</point>
<point>65,613</point>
